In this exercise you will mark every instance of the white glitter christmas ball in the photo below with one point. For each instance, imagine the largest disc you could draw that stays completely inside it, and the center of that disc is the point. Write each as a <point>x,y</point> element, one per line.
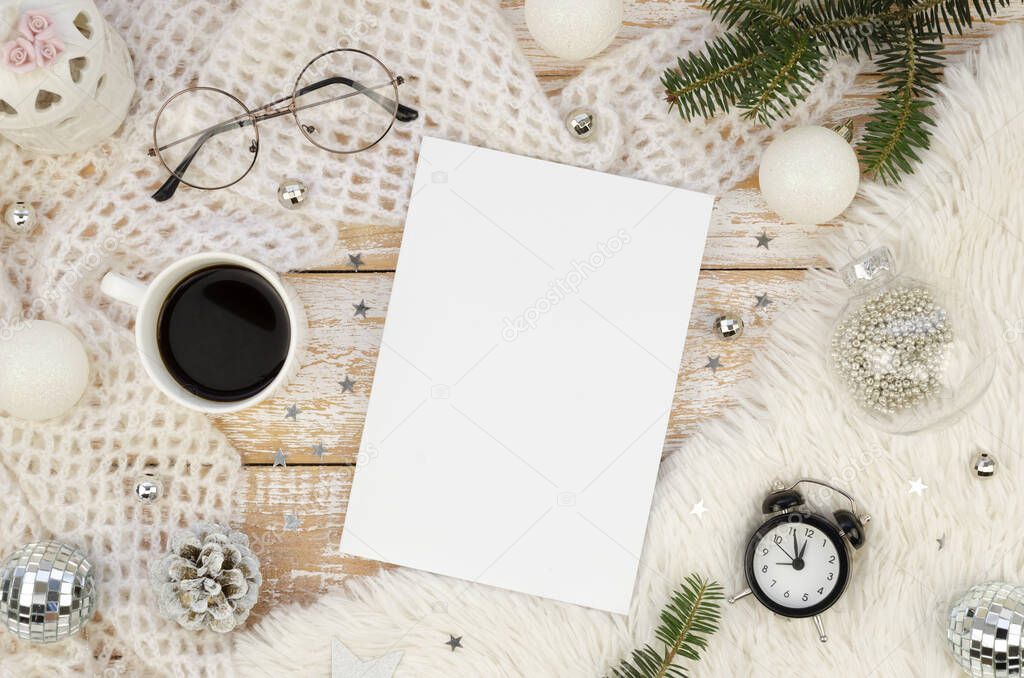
<point>809,175</point>
<point>573,29</point>
<point>43,371</point>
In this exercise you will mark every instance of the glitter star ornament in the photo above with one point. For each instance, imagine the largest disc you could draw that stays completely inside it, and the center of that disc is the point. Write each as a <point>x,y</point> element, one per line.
<point>344,664</point>
<point>906,354</point>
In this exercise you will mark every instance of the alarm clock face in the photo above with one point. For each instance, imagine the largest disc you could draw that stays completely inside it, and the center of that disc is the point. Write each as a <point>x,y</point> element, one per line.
<point>797,564</point>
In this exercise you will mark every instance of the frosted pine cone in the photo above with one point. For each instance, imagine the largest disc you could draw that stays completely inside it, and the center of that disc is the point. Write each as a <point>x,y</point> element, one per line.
<point>210,578</point>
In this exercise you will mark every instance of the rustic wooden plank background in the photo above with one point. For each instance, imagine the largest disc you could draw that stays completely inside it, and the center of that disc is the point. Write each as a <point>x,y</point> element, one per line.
<point>302,561</point>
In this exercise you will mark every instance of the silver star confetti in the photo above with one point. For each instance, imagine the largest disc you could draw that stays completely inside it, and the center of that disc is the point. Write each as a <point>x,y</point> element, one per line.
<point>356,260</point>
<point>764,239</point>
<point>713,364</point>
<point>699,509</point>
<point>917,487</point>
<point>318,449</point>
<point>763,301</point>
<point>279,458</point>
<point>292,412</point>
<point>361,308</point>
<point>454,642</point>
<point>347,384</point>
<point>291,522</point>
<point>344,664</point>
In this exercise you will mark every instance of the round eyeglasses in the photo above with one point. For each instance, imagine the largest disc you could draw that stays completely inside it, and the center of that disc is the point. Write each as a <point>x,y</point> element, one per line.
<point>343,101</point>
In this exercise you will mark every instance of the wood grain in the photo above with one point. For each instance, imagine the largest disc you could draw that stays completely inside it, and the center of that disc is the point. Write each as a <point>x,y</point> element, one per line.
<point>341,345</point>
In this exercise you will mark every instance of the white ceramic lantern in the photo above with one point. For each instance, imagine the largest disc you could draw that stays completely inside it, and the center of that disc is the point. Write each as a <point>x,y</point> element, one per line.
<point>66,78</point>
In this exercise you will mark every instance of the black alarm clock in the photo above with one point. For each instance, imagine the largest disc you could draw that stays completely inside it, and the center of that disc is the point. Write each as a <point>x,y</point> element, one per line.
<point>797,563</point>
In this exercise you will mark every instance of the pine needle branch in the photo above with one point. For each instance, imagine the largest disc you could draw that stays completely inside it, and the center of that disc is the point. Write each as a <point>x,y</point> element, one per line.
<point>710,82</point>
<point>899,129</point>
<point>774,52</point>
<point>688,620</point>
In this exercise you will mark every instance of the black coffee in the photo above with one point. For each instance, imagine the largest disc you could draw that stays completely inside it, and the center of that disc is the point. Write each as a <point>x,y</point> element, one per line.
<point>223,333</point>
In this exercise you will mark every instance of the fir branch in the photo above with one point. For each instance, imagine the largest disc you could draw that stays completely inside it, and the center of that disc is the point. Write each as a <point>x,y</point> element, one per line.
<point>709,82</point>
<point>774,53</point>
<point>688,620</point>
<point>782,76</point>
<point>759,14</point>
<point>899,129</point>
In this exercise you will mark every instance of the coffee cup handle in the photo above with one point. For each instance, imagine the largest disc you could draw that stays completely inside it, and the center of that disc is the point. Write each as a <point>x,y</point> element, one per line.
<point>122,288</point>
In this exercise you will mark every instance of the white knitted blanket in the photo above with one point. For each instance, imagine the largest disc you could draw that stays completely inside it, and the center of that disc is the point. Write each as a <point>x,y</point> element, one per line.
<point>70,479</point>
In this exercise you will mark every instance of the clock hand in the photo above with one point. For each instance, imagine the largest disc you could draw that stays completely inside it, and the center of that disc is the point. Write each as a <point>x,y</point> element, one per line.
<point>784,551</point>
<point>803,548</point>
<point>796,548</point>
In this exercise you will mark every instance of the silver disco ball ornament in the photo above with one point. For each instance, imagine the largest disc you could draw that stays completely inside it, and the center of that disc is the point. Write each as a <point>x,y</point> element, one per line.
<point>148,489</point>
<point>20,217</point>
<point>291,193</point>
<point>984,465</point>
<point>728,326</point>
<point>46,591</point>
<point>580,123</point>
<point>985,629</point>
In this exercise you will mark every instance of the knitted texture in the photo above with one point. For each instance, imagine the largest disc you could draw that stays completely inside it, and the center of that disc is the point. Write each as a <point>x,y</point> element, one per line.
<point>71,478</point>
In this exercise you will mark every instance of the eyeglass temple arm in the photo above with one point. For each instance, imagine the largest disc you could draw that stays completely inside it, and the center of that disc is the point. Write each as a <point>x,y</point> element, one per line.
<point>402,112</point>
<point>167,189</point>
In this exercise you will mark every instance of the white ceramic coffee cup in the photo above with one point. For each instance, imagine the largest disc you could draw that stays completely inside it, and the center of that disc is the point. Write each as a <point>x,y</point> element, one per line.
<point>149,299</point>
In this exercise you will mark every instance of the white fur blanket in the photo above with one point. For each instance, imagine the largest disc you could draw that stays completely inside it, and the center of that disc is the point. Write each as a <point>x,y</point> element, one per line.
<point>959,220</point>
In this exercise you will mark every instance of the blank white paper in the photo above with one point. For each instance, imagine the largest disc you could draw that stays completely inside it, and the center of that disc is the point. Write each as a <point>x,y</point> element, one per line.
<point>526,374</point>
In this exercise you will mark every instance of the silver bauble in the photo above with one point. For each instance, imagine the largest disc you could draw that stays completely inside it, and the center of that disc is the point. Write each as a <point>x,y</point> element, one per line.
<point>985,629</point>
<point>20,217</point>
<point>148,489</point>
<point>46,591</point>
<point>580,123</point>
<point>291,193</point>
<point>984,465</point>
<point>728,326</point>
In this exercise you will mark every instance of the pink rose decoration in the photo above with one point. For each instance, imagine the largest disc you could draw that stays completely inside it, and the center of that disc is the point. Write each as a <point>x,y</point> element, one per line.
<point>47,50</point>
<point>20,55</point>
<point>33,23</point>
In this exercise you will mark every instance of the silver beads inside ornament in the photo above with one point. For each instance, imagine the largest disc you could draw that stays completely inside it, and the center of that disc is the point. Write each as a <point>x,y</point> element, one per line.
<point>728,326</point>
<point>985,630</point>
<point>580,123</point>
<point>20,217</point>
<point>291,193</point>
<point>148,489</point>
<point>891,352</point>
<point>983,465</point>
<point>47,591</point>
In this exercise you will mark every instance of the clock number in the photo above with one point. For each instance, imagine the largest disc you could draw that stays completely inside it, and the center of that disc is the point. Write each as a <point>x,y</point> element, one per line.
<point>830,576</point>
<point>792,530</point>
<point>764,568</point>
<point>786,594</point>
<point>821,591</point>
<point>764,552</point>
<point>831,560</point>
<point>809,533</point>
<point>774,582</point>
<point>778,539</point>
<point>805,597</point>
<point>823,541</point>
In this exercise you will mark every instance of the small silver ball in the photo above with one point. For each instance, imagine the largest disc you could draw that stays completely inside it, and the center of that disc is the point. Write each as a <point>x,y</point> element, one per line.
<point>984,465</point>
<point>20,217</point>
<point>728,326</point>
<point>580,123</point>
<point>291,193</point>
<point>148,489</point>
